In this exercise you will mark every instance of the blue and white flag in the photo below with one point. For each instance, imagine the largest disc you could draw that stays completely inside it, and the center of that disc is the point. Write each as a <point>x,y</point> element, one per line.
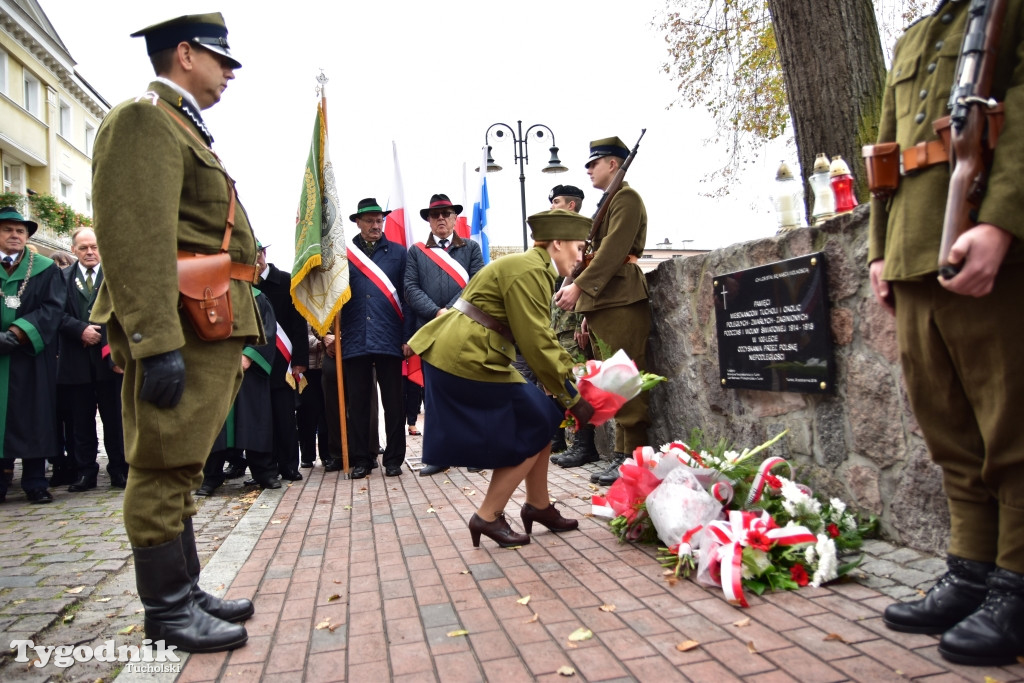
<point>478,231</point>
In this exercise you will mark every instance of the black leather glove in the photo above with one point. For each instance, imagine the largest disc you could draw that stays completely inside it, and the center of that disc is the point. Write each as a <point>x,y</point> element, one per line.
<point>163,379</point>
<point>582,411</point>
<point>8,342</point>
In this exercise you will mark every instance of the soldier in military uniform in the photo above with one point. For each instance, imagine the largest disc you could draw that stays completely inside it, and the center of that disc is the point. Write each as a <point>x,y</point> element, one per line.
<point>960,339</point>
<point>612,292</point>
<point>504,423</point>
<point>158,188</point>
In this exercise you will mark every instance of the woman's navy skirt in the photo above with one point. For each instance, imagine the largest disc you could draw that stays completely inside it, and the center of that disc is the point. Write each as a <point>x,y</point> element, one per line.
<point>468,423</point>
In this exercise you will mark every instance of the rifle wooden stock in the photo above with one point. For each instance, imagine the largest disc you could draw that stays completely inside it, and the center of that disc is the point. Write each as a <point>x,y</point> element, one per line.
<point>602,213</point>
<point>969,102</point>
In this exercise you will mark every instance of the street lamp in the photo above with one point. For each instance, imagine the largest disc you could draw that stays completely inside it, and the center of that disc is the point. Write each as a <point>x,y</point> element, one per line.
<point>520,146</point>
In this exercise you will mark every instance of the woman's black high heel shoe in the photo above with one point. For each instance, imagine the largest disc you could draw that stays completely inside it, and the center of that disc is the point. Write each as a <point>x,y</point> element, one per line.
<point>498,531</point>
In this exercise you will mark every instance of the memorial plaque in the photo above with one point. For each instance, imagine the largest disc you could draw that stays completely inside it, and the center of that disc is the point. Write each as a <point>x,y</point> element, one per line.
<point>773,327</point>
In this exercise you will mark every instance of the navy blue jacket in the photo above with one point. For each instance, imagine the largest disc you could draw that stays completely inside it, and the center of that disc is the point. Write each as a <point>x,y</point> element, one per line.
<point>428,288</point>
<point>369,323</point>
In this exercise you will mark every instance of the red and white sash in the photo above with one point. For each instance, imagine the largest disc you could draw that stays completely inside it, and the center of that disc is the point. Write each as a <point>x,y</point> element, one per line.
<point>295,380</point>
<point>367,267</point>
<point>446,263</point>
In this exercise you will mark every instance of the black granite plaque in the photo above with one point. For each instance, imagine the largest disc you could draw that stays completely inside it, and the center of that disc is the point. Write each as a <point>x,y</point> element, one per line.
<point>773,327</point>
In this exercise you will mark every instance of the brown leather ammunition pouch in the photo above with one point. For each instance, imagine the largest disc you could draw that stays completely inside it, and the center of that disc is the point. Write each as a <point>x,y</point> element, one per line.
<point>204,281</point>
<point>883,167</point>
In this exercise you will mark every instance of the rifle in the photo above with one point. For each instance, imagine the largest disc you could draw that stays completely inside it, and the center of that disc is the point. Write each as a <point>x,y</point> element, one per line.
<point>970,154</point>
<point>613,187</point>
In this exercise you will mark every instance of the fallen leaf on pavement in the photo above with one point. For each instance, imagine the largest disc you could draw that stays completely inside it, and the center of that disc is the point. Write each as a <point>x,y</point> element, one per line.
<point>464,571</point>
<point>102,600</point>
<point>593,487</point>
<point>566,671</point>
<point>264,506</point>
<point>750,647</point>
<point>525,600</point>
<point>742,622</point>
<point>69,618</point>
<point>275,521</point>
<point>332,598</point>
<point>687,645</point>
<point>348,507</point>
<point>75,591</point>
<point>127,630</point>
<point>834,636</point>
<point>456,634</point>
<point>431,511</point>
<point>607,608</point>
<point>580,634</point>
<point>326,623</point>
<point>532,619</point>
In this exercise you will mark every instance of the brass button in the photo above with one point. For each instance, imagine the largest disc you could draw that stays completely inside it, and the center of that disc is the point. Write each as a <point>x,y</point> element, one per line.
<point>919,118</point>
<point>137,337</point>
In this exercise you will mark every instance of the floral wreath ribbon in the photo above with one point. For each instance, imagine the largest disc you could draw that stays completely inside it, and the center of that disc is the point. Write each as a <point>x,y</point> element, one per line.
<point>734,535</point>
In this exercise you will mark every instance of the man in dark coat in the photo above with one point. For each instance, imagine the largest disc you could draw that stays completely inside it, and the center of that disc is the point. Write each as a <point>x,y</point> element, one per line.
<point>86,373</point>
<point>249,427</point>
<point>30,311</point>
<point>437,271</point>
<point>372,334</point>
<point>276,285</point>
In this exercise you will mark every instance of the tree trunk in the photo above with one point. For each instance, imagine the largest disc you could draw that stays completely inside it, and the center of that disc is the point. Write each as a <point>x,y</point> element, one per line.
<point>834,70</point>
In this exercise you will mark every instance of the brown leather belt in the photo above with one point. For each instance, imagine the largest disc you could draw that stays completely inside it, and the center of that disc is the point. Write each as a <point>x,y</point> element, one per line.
<point>491,323</point>
<point>924,154</point>
<point>239,271</point>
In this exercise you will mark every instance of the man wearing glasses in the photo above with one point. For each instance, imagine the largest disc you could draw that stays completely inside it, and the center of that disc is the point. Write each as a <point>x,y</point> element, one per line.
<point>437,271</point>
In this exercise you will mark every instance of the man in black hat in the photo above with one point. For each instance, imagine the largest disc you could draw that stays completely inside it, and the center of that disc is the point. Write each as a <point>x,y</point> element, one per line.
<point>31,307</point>
<point>160,190</point>
<point>612,292</point>
<point>438,271</point>
<point>372,335</point>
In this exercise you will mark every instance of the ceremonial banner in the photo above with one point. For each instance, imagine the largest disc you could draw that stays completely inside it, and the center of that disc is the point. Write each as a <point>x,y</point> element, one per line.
<point>320,273</point>
<point>397,226</point>
<point>480,233</point>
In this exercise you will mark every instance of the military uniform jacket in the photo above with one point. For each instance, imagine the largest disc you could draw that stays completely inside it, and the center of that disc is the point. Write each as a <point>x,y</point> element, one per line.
<point>78,364</point>
<point>158,189</point>
<point>515,290</point>
<point>28,374</point>
<point>906,230</point>
<point>609,281</point>
<point>428,288</point>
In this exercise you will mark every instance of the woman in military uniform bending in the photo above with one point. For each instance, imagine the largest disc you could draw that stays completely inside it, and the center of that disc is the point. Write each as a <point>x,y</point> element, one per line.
<point>480,412</point>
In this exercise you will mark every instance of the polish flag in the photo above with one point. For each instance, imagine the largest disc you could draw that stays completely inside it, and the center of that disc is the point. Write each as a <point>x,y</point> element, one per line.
<point>462,228</point>
<point>397,226</point>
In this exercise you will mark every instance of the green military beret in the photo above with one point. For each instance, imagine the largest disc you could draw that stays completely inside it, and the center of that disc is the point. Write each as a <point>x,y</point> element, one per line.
<point>606,147</point>
<point>559,224</point>
<point>207,30</point>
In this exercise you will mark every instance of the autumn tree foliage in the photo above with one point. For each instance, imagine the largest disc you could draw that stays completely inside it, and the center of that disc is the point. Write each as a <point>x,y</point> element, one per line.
<point>765,68</point>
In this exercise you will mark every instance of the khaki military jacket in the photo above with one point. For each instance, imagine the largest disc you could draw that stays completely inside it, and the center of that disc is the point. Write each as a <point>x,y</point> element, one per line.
<point>609,281</point>
<point>158,189</point>
<point>906,230</point>
<point>515,290</point>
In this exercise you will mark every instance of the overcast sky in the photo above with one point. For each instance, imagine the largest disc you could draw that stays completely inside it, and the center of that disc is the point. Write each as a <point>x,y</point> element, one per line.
<point>432,76</point>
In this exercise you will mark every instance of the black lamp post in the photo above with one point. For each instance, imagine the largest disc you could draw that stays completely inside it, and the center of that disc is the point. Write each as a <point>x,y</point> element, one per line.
<point>520,146</point>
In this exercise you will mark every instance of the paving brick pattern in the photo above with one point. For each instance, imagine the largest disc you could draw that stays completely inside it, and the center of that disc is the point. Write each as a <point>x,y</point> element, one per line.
<point>370,580</point>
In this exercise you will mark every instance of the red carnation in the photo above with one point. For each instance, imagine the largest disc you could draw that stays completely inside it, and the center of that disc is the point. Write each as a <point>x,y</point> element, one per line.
<point>758,539</point>
<point>833,530</point>
<point>799,574</point>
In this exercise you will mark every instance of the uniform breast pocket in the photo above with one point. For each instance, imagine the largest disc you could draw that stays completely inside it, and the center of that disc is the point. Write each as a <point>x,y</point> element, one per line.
<point>500,351</point>
<point>903,85</point>
<point>209,182</point>
<point>945,66</point>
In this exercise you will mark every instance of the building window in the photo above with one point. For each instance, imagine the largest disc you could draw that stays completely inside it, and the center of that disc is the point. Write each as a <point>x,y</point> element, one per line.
<point>65,190</point>
<point>13,178</point>
<point>90,138</point>
<point>64,126</point>
<point>88,204</point>
<point>3,72</point>
<point>32,102</point>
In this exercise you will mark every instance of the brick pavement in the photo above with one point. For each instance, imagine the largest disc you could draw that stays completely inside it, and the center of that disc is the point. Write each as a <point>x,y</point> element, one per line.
<point>365,580</point>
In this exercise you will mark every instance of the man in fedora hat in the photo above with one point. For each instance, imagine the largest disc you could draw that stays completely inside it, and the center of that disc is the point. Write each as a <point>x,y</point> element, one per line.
<point>160,190</point>
<point>372,333</point>
<point>612,292</point>
<point>438,271</point>
<point>31,307</point>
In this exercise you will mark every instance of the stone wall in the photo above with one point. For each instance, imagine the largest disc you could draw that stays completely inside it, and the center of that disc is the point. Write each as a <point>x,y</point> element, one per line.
<point>861,443</point>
